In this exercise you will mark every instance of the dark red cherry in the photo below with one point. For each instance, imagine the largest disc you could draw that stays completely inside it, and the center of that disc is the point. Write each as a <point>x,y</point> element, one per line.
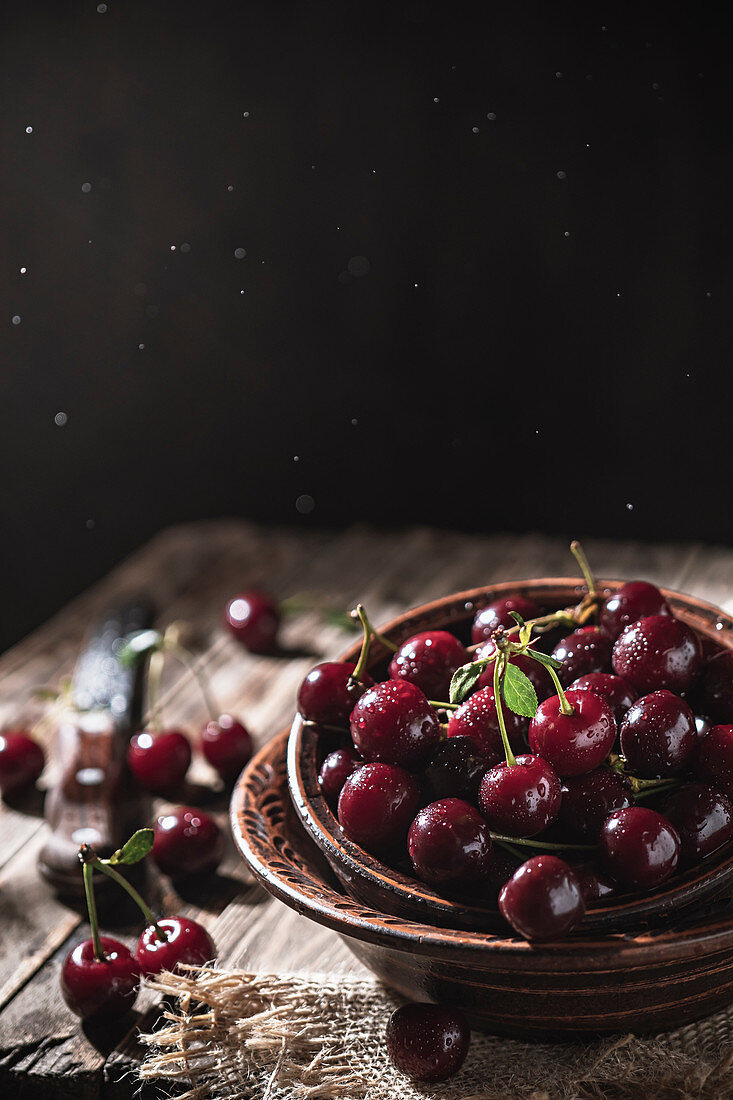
<point>638,847</point>
<point>185,942</point>
<point>594,882</point>
<point>617,692</point>
<point>542,899</point>
<point>449,842</point>
<point>477,718</point>
<point>21,760</point>
<point>187,842</point>
<point>716,687</point>
<point>226,745</point>
<point>498,613</point>
<point>456,769</point>
<point>393,723</point>
<point>377,805</point>
<point>100,988</point>
<point>588,799</point>
<point>533,670</point>
<point>427,1042</point>
<point>428,661</point>
<point>658,735</point>
<point>658,652</point>
<point>254,619</point>
<point>713,762</point>
<point>632,601</point>
<point>335,770</point>
<point>703,817</point>
<point>328,694</point>
<point>522,799</point>
<point>585,650</point>
<point>159,759</point>
<point>503,866</point>
<point>573,743</point>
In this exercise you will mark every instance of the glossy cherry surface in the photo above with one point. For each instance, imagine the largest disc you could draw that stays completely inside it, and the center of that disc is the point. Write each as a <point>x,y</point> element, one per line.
<point>377,805</point>
<point>185,941</point>
<point>533,670</point>
<point>716,687</point>
<point>456,769</point>
<point>658,652</point>
<point>617,692</point>
<point>100,988</point>
<point>187,842</point>
<point>658,735</point>
<point>477,718</point>
<point>588,799</point>
<point>393,723</point>
<point>573,743</point>
<point>21,760</point>
<point>703,817</point>
<point>497,614</point>
<point>713,762</point>
<point>638,847</point>
<point>449,842</point>
<point>543,899</point>
<point>226,745</point>
<point>522,799</point>
<point>634,600</point>
<point>159,760</point>
<point>335,770</point>
<point>254,619</point>
<point>329,693</point>
<point>427,1042</point>
<point>428,660</point>
<point>585,650</point>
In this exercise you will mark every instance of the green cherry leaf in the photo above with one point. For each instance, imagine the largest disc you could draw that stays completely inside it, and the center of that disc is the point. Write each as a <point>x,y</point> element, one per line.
<point>464,681</point>
<point>519,693</point>
<point>544,659</point>
<point>136,848</point>
<point>517,618</point>
<point>138,646</point>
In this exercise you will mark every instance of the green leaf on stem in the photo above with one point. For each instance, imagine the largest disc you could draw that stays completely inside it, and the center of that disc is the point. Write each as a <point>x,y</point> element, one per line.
<point>464,680</point>
<point>517,618</point>
<point>544,659</point>
<point>519,693</point>
<point>136,848</point>
<point>138,646</point>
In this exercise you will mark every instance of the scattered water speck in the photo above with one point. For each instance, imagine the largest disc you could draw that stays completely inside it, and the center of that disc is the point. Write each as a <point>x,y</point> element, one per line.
<point>29,129</point>
<point>240,253</point>
<point>173,248</point>
<point>60,419</point>
<point>629,507</point>
<point>558,75</point>
<point>241,292</point>
<point>90,523</point>
<point>415,285</point>
<point>436,99</point>
<point>141,347</point>
<point>562,175</point>
<point>15,319</point>
<point>101,8</point>
<point>23,270</point>
<point>245,114</point>
<point>354,421</point>
<point>185,247</point>
<point>296,458</point>
<point>718,626</point>
<point>358,266</point>
<point>304,504</point>
<point>475,130</point>
<point>86,188</point>
<point>708,294</point>
<point>491,116</point>
<point>230,187</point>
<point>618,293</point>
<point>566,234</point>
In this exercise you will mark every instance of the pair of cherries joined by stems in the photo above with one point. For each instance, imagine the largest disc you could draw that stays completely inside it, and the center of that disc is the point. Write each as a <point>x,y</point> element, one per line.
<point>100,977</point>
<point>617,686</point>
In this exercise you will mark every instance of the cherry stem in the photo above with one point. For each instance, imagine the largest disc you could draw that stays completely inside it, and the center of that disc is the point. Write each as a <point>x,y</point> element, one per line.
<point>362,615</point>
<point>323,726</point>
<point>443,706</point>
<point>525,842</point>
<point>498,673</point>
<point>579,554</point>
<point>565,706</point>
<point>365,644</point>
<point>155,672</point>
<point>188,660</point>
<point>103,865</point>
<point>643,788</point>
<point>88,873</point>
<point>509,847</point>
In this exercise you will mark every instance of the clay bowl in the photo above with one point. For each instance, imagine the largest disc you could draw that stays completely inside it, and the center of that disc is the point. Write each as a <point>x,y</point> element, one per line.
<point>374,883</point>
<point>588,983</point>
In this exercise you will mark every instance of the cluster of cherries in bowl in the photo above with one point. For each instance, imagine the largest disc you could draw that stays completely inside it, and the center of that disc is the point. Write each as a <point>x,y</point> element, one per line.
<point>528,743</point>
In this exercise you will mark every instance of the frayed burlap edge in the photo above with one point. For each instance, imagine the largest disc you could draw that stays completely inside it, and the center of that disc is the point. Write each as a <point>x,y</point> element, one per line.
<point>234,1035</point>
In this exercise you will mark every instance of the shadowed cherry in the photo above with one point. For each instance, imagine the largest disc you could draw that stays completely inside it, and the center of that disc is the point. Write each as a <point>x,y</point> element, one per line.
<point>159,759</point>
<point>588,799</point>
<point>617,692</point>
<point>498,613</point>
<point>634,600</point>
<point>449,842</point>
<point>638,847</point>
<point>520,799</point>
<point>393,723</point>
<point>543,899</point>
<point>658,735</point>
<point>716,687</point>
<point>428,660</point>
<point>585,650</point>
<point>335,770</point>
<point>713,763</point>
<point>456,769</point>
<point>377,805</point>
<point>187,842</point>
<point>658,652</point>
<point>477,718</point>
<point>100,988</point>
<point>703,817</point>
<point>254,620</point>
<point>427,1042</point>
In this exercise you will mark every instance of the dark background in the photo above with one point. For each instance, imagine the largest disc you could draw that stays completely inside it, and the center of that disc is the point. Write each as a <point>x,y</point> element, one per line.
<point>493,323</point>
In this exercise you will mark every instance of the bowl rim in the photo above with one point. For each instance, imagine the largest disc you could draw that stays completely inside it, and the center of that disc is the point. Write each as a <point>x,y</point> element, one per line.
<point>692,887</point>
<point>261,796</point>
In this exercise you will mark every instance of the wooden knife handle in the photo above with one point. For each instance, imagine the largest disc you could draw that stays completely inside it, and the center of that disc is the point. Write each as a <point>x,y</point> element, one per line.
<point>93,801</point>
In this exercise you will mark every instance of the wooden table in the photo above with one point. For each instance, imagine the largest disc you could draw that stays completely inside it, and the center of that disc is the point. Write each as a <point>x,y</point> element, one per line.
<point>189,572</point>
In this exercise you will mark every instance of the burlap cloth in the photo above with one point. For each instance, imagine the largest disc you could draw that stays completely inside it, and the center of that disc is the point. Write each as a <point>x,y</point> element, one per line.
<point>232,1034</point>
